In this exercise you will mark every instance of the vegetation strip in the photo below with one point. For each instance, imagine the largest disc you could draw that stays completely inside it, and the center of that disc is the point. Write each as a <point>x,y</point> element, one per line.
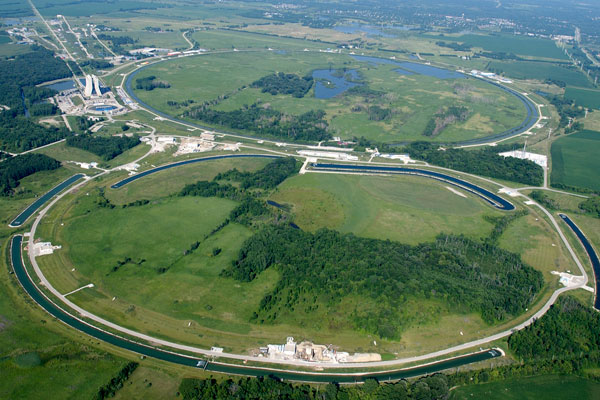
<point>29,211</point>
<point>62,315</point>
<point>486,195</point>
<point>528,122</point>
<point>591,254</point>
<point>180,163</point>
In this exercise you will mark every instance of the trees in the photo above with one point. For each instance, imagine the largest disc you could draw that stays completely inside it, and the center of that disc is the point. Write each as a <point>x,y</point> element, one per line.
<point>282,83</point>
<point>151,83</point>
<point>429,387</point>
<point>18,133</point>
<point>568,329</point>
<point>591,206</point>
<point>324,267</point>
<point>309,126</point>
<point>15,168</point>
<point>105,147</point>
<point>484,162</point>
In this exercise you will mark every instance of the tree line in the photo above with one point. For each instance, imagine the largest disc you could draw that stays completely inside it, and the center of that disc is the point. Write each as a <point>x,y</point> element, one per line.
<point>322,268</point>
<point>105,147</point>
<point>150,83</point>
<point>267,388</point>
<point>16,168</point>
<point>281,83</point>
<point>309,126</point>
<point>484,162</point>
<point>591,206</point>
<point>265,178</point>
<point>443,118</point>
<point>116,383</point>
<point>250,206</point>
<point>566,340</point>
<point>18,134</point>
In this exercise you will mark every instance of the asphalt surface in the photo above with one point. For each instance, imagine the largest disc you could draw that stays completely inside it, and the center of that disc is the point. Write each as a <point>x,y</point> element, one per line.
<point>173,357</point>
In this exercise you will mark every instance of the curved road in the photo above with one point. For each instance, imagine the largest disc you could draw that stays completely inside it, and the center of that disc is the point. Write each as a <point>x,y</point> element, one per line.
<point>533,115</point>
<point>181,359</point>
<point>195,350</point>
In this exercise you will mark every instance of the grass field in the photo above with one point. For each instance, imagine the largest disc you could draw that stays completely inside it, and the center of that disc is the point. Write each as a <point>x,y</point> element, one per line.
<point>412,99</point>
<point>520,45</point>
<point>406,209</point>
<point>539,387</point>
<point>540,71</point>
<point>191,303</point>
<point>584,97</point>
<point>574,158</point>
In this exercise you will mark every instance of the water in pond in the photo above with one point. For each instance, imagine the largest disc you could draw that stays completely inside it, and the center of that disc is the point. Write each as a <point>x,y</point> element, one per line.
<point>60,86</point>
<point>104,108</point>
<point>329,84</point>
<point>542,93</point>
<point>416,68</point>
<point>403,71</point>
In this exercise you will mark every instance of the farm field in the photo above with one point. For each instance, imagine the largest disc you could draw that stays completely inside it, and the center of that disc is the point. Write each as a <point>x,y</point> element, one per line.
<point>520,45</point>
<point>574,158</point>
<point>539,387</point>
<point>540,71</point>
<point>584,97</point>
<point>223,81</point>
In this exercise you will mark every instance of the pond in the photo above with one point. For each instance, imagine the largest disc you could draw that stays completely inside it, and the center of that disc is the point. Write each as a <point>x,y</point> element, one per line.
<point>421,69</point>
<point>60,86</point>
<point>330,83</point>
<point>104,108</point>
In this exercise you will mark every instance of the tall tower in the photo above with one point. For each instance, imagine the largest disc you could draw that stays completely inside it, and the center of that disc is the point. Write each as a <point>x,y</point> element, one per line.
<point>97,86</point>
<point>88,86</point>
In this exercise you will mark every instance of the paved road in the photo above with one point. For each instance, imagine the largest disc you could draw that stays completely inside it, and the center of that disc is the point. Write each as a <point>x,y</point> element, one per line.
<point>533,114</point>
<point>389,363</point>
<point>182,359</point>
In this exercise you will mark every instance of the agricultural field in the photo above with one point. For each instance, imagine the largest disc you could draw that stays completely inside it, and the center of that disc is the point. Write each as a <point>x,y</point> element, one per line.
<point>539,387</point>
<point>224,80</point>
<point>574,157</point>
<point>541,71</point>
<point>519,45</point>
<point>584,97</point>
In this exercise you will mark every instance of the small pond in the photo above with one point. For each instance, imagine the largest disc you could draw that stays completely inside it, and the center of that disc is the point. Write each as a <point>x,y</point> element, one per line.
<point>421,69</point>
<point>60,86</point>
<point>330,83</point>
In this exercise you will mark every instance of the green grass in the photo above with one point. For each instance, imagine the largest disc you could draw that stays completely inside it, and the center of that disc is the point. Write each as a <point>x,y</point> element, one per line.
<point>227,40</point>
<point>171,181</point>
<point>539,387</point>
<point>584,97</point>
<point>538,246</point>
<point>540,71</point>
<point>520,45</point>
<point>412,99</point>
<point>575,159</point>
<point>406,209</point>
<point>62,152</point>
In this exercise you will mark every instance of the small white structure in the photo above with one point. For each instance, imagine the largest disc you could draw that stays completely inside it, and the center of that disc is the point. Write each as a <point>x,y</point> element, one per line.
<point>216,349</point>
<point>44,248</point>
<point>539,159</point>
<point>166,139</point>
<point>289,349</point>
<point>405,158</point>
<point>328,154</point>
